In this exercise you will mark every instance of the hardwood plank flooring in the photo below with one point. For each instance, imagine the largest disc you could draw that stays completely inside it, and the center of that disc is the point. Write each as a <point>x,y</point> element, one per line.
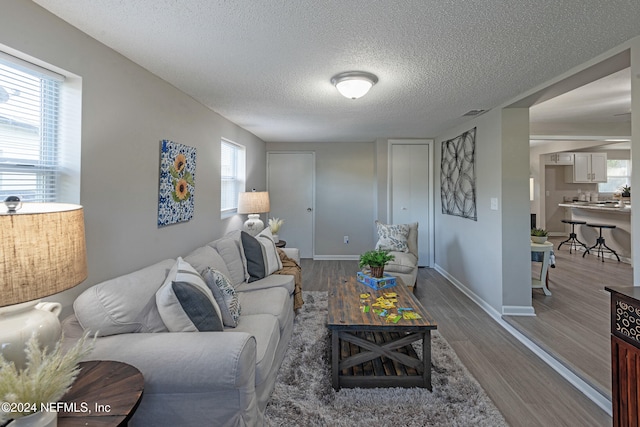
<point>573,323</point>
<point>524,388</point>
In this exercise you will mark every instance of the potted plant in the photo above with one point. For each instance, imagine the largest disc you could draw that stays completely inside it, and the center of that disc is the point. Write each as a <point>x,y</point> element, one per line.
<point>626,191</point>
<point>539,235</point>
<point>48,375</point>
<point>274,226</point>
<point>376,261</point>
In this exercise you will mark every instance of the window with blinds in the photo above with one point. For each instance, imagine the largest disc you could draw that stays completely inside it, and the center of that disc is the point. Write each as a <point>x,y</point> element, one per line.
<point>29,122</point>
<point>232,176</point>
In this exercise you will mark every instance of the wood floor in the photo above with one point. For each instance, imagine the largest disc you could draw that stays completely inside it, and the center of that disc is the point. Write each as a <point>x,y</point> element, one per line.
<point>525,389</point>
<point>573,323</point>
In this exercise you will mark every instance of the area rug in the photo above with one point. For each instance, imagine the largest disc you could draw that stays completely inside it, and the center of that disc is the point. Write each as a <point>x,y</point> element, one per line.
<point>303,395</point>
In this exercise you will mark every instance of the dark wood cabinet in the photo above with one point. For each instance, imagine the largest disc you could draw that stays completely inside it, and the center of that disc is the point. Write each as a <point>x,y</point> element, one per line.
<point>625,355</point>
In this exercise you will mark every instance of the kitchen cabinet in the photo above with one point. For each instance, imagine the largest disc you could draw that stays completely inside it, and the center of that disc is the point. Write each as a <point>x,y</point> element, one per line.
<point>587,167</point>
<point>559,159</point>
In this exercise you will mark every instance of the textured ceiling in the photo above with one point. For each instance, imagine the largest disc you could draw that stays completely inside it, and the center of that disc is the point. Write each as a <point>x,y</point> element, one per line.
<point>267,65</point>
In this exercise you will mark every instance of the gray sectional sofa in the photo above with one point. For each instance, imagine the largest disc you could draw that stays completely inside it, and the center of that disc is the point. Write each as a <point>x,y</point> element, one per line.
<point>193,378</point>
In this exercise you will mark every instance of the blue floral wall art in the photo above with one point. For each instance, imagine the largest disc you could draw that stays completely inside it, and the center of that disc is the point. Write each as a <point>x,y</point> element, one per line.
<point>177,183</point>
<point>458,176</point>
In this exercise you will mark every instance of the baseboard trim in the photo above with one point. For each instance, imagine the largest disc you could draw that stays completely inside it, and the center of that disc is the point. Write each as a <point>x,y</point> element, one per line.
<point>591,393</point>
<point>517,310</point>
<point>336,258</point>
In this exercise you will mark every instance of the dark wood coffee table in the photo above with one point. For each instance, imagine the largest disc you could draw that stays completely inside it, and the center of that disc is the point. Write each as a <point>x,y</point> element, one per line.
<point>368,351</point>
<point>105,393</point>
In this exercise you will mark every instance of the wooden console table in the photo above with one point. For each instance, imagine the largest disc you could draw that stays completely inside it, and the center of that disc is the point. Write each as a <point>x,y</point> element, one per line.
<point>625,355</point>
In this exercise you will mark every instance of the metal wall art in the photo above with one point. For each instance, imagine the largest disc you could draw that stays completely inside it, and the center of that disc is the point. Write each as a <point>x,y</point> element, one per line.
<point>458,176</point>
<point>177,183</point>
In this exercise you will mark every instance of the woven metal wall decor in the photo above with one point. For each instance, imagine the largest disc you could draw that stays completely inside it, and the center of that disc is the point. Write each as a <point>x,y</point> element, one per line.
<point>458,176</point>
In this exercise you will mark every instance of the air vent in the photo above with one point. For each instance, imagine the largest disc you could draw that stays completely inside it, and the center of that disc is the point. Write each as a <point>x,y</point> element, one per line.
<point>473,113</point>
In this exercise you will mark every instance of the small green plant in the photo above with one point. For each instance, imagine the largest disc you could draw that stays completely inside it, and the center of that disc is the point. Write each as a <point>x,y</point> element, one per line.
<point>375,258</point>
<point>539,232</point>
<point>626,190</point>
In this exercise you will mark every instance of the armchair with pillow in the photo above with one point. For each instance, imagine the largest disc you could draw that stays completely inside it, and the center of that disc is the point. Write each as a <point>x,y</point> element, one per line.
<point>402,242</point>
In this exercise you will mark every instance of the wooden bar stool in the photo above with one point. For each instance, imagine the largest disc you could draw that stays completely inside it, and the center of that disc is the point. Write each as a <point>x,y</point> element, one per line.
<point>573,238</point>
<point>601,247</point>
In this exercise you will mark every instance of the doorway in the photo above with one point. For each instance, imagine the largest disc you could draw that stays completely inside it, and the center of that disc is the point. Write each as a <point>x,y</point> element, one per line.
<point>291,184</point>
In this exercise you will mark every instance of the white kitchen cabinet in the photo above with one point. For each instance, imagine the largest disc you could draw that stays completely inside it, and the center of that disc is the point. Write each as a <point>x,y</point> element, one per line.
<point>588,167</point>
<point>559,159</point>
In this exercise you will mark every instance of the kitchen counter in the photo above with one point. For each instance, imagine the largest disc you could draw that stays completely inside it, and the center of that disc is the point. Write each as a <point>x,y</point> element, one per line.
<point>605,207</point>
<point>618,239</point>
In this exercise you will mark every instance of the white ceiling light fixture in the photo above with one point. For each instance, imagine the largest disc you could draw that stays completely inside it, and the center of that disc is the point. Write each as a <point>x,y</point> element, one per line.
<point>354,84</point>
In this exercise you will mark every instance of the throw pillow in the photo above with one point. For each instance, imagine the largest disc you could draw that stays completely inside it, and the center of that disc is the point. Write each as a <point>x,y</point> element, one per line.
<point>225,296</point>
<point>185,303</point>
<point>270,252</point>
<point>253,253</point>
<point>393,237</point>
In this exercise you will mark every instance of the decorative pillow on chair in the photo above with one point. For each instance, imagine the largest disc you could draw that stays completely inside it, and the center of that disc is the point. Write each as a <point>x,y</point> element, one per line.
<point>225,296</point>
<point>393,237</point>
<point>185,302</point>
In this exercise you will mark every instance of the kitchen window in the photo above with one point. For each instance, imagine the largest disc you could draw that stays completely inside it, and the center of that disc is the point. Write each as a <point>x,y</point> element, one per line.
<point>618,175</point>
<point>232,176</point>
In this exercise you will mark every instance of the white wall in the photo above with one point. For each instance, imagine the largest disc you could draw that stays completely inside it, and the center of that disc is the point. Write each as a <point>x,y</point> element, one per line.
<point>126,111</point>
<point>345,187</point>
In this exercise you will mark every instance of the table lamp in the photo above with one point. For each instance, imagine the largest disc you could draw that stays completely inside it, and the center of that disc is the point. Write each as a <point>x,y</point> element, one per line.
<point>42,252</point>
<point>253,203</point>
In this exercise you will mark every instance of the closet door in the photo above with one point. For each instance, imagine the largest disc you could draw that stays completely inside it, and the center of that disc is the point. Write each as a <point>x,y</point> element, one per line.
<point>409,191</point>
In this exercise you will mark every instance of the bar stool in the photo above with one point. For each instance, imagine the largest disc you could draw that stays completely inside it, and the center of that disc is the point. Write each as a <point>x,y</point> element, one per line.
<point>573,238</point>
<point>600,244</point>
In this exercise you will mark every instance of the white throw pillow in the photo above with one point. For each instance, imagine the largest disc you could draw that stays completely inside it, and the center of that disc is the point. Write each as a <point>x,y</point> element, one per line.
<point>393,237</point>
<point>272,260</point>
<point>185,302</point>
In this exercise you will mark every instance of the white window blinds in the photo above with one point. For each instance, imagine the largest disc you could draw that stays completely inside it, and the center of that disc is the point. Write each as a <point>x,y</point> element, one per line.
<point>29,113</point>
<point>232,171</point>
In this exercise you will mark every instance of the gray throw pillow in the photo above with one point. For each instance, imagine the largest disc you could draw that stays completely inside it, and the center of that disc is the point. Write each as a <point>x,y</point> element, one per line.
<point>393,237</point>
<point>255,260</point>
<point>197,306</point>
<point>225,296</point>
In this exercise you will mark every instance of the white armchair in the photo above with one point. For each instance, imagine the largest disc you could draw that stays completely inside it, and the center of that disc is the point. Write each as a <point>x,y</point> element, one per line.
<point>405,264</point>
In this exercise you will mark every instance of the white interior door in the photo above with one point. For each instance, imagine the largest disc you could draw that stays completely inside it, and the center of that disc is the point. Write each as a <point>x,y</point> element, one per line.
<point>290,182</point>
<point>410,190</point>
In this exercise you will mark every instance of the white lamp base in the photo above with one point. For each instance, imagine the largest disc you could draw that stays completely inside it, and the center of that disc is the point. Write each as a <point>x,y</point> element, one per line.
<point>18,322</point>
<point>253,225</point>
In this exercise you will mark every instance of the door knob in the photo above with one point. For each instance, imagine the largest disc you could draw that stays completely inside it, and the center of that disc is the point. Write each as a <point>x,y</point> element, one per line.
<point>309,209</point>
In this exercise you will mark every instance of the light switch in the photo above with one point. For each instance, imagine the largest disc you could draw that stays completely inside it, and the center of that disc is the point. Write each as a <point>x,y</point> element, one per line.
<point>494,203</point>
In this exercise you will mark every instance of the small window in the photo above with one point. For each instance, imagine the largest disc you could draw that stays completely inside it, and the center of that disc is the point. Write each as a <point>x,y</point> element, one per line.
<point>618,175</point>
<point>30,164</point>
<point>232,176</point>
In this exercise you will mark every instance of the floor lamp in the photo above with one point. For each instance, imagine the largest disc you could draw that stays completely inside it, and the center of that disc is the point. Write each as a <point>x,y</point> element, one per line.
<point>42,252</point>
<point>253,203</point>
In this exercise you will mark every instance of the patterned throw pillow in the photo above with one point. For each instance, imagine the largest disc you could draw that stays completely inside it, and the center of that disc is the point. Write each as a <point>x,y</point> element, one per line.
<point>393,237</point>
<point>225,296</point>
<point>185,303</point>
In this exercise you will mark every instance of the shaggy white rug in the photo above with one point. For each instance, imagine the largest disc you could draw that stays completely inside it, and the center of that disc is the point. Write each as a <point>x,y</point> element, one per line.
<point>303,395</point>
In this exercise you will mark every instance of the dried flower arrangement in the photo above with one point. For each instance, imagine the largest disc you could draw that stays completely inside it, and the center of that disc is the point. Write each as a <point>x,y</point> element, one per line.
<point>275,224</point>
<point>46,377</point>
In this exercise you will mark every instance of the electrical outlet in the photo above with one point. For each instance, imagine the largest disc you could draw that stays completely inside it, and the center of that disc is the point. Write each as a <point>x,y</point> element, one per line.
<point>346,240</point>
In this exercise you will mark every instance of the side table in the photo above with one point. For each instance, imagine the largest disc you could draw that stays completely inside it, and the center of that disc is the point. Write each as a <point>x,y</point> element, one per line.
<point>105,393</point>
<point>281,243</point>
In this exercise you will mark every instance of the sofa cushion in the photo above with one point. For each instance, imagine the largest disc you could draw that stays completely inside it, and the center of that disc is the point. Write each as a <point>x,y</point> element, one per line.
<point>265,329</point>
<point>403,263</point>
<point>230,250</point>
<point>125,304</point>
<point>272,260</point>
<point>274,301</point>
<point>275,280</point>
<point>225,296</point>
<point>185,302</point>
<point>254,256</point>
<point>393,237</point>
<point>207,256</point>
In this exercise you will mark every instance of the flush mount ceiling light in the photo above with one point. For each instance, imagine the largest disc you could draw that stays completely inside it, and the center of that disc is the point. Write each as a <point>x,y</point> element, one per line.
<point>354,84</point>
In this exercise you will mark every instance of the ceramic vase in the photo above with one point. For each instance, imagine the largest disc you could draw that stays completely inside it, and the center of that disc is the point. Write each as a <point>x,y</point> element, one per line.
<point>38,419</point>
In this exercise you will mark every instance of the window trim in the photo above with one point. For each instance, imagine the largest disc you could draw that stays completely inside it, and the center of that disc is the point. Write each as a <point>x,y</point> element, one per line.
<point>239,174</point>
